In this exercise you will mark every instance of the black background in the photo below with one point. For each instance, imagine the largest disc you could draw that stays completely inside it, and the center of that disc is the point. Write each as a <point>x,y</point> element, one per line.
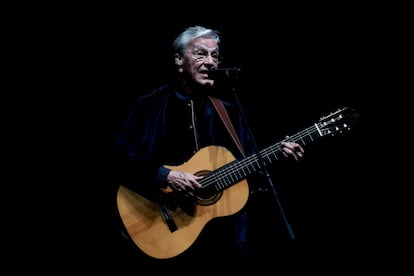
<point>84,66</point>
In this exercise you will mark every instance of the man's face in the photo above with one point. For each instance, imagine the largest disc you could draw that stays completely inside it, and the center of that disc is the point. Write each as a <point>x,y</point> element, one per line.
<point>200,57</point>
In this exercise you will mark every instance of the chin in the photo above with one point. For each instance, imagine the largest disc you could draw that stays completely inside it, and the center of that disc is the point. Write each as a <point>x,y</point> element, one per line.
<point>206,82</point>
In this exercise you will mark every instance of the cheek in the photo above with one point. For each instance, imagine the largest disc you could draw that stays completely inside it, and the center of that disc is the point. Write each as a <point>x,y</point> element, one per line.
<point>188,66</point>
<point>191,68</point>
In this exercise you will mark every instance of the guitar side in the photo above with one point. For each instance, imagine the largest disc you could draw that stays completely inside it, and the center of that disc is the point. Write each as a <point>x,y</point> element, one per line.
<point>147,228</point>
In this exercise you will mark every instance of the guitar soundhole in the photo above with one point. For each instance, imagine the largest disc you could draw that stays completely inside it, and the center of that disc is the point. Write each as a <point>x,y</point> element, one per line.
<point>207,195</point>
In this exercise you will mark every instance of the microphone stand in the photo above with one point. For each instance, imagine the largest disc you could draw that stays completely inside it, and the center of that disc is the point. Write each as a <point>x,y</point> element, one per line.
<point>260,158</point>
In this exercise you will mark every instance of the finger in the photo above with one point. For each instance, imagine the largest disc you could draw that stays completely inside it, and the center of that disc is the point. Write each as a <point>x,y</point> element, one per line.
<point>288,152</point>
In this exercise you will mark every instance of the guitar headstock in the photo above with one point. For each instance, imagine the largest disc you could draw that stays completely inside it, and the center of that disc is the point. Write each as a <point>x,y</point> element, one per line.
<point>337,122</point>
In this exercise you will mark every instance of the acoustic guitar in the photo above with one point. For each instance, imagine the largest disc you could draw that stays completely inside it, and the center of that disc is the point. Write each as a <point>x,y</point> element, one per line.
<point>167,232</point>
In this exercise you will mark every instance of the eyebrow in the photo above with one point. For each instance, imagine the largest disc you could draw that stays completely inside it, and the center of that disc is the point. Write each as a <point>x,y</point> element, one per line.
<point>202,47</point>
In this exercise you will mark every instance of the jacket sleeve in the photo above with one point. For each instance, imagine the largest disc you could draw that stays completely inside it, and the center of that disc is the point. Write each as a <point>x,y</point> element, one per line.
<point>133,150</point>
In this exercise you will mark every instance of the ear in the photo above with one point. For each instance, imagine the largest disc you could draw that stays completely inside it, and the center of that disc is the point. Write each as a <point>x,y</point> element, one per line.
<point>178,59</point>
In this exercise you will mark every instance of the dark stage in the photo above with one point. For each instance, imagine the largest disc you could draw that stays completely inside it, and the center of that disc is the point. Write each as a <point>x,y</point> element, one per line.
<point>296,68</point>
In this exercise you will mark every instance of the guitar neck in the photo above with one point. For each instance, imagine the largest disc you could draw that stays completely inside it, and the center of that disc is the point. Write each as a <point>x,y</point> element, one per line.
<point>238,170</point>
<point>274,152</point>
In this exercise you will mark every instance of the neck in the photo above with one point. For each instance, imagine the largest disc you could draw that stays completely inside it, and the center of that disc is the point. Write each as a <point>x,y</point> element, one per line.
<point>193,89</point>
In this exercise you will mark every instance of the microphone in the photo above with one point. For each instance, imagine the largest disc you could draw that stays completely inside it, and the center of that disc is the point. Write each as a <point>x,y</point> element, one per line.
<point>231,72</point>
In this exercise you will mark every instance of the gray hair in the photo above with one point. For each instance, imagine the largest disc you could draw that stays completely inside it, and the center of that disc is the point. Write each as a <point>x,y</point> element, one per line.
<point>181,42</point>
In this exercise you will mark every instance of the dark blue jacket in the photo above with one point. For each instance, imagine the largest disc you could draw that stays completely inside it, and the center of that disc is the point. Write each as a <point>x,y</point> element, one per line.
<point>160,131</point>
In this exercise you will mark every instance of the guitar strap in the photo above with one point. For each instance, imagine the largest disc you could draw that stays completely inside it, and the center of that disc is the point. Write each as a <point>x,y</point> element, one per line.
<point>218,104</point>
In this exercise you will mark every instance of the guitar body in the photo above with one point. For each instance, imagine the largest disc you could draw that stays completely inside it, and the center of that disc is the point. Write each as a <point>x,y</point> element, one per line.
<point>147,227</point>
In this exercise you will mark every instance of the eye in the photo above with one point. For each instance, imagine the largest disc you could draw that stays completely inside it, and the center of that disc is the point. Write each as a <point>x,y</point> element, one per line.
<point>215,56</point>
<point>199,54</point>
<point>202,55</point>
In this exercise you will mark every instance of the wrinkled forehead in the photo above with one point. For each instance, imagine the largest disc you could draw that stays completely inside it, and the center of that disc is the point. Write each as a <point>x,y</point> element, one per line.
<point>202,43</point>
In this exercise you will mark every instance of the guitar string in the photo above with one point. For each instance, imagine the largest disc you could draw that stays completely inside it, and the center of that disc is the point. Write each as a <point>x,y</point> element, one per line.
<point>236,166</point>
<point>225,172</point>
<point>231,167</point>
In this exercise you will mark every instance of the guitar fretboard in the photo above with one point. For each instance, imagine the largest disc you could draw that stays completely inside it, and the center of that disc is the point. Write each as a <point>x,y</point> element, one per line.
<point>238,170</point>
